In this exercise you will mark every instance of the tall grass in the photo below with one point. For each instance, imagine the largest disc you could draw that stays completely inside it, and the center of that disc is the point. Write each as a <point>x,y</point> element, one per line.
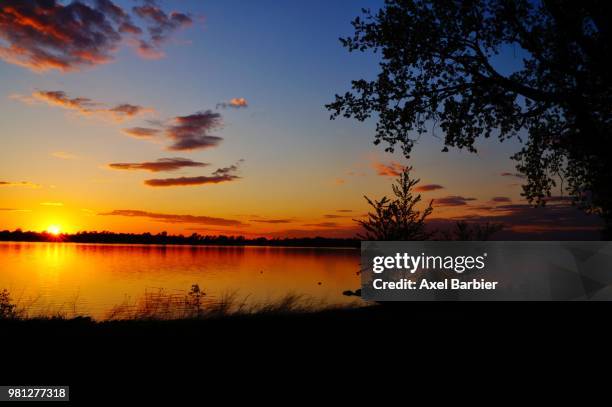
<point>170,305</point>
<point>162,305</point>
<point>35,308</point>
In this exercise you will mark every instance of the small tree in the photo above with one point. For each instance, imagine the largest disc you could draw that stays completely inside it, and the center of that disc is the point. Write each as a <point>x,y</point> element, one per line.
<point>397,219</point>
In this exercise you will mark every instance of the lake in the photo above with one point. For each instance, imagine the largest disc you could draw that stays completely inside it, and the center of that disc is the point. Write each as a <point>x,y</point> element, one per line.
<point>91,279</point>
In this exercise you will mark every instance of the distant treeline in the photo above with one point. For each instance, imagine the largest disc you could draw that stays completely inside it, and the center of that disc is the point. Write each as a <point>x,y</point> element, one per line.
<point>164,238</point>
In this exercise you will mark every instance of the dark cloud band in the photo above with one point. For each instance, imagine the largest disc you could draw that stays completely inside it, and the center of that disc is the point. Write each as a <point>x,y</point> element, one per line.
<point>163,164</point>
<point>187,181</point>
<point>428,187</point>
<point>172,218</point>
<point>453,201</point>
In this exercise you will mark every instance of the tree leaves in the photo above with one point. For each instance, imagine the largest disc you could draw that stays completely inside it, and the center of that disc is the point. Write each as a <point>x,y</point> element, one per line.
<point>437,67</point>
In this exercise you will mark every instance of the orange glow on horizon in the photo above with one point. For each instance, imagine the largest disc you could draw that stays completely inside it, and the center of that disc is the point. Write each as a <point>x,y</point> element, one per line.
<point>54,230</point>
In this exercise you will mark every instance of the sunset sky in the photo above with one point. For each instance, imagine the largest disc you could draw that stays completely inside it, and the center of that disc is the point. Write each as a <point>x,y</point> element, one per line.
<point>209,117</point>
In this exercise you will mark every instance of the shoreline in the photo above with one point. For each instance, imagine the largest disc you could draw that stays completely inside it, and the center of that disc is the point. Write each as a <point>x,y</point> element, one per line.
<point>251,244</point>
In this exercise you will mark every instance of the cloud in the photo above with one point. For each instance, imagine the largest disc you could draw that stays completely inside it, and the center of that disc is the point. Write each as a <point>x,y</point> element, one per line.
<point>141,132</point>
<point>118,15</point>
<point>323,224</point>
<point>187,181</point>
<point>226,232</point>
<point>501,199</point>
<point>162,164</point>
<point>173,218</point>
<point>192,132</point>
<point>340,181</point>
<point>126,109</point>
<point>344,210</point>
<point>236,103</point>
<point>228,170</point>
<point>14,210</point>
<point>452,201</point>
<point>393,169</point>
<point>558,221</point>
<point>50,34</point>
<point>83,105</point>
<point>330,232</point>
<point>24,184</point>
<point>160,26</point>
<point>52,204</point>
<point>512,174</point>
<point>273,221</point>
<point>61,99</point>
<point>63,155</point>
<point>331,216</point>
<point>428,187</point>
<point>220,175</point>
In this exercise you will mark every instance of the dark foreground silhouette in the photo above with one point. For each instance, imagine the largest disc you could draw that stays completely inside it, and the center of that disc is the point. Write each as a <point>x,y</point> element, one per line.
<point>346,352</point>
<point>164,238</point>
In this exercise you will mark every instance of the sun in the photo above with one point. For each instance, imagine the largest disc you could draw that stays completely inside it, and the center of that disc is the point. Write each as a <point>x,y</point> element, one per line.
<point>54,230</point>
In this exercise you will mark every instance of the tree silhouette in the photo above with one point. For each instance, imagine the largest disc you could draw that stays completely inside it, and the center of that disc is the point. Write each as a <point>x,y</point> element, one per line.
<point>397,219</point>
<point>438,68</point>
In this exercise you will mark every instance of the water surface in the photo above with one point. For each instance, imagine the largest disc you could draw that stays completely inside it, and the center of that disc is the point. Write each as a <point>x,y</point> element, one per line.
<point>91,279</point>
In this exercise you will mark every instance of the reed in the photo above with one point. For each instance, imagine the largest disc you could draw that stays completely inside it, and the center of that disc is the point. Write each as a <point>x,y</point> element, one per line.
<point>162,304</point>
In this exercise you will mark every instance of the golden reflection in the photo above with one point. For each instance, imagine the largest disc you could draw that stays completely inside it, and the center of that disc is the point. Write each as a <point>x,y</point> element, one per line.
<point>103,276</point>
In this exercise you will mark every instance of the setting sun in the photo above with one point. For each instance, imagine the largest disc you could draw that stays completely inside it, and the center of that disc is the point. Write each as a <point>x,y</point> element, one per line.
<point>54,230</point>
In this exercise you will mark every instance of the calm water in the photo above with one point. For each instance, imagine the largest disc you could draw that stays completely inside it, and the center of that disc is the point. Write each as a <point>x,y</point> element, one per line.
<point>93,278</point>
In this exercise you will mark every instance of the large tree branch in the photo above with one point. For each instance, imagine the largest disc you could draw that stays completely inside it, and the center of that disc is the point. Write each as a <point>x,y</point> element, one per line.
<point>524,90</point>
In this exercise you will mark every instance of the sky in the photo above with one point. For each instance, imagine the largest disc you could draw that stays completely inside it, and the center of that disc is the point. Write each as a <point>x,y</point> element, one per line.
<point>208,117</point>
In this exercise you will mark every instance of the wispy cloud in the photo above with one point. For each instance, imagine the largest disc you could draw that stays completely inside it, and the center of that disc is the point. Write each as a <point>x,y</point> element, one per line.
<point>236,103</point>
<point>141,132</point>
<point>500,199</point>
<point>428,187</point>
<point>333,216</point>
<point>83,105</point>
<point>225,174</point>
<point>272,221</point>
<point>63,155</point>
<point>187,181</point>
<point>52,204</point>
<point>322,224</point>
<point>50,34</point>
<point>228,170</point>
<point>160,26</point>
<point>392,169</point>
<point>23,184</point>
<point>175,218</point>
<point>162,164</point>
<point>452,201</point>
